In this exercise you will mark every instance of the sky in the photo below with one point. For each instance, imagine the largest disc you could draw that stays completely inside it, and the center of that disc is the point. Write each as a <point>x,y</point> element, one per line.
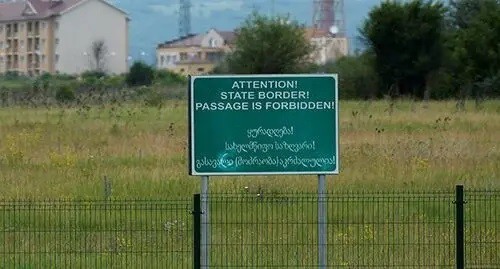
<point>156,21</point>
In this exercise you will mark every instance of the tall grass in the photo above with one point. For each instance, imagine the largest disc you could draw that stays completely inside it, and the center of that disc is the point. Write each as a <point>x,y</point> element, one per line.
<point>66,151</point>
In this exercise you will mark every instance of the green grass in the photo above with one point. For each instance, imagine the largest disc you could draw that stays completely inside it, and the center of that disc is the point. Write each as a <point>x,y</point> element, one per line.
<point>365,230</point>
<point>66,152</point>
<point>95,234</point>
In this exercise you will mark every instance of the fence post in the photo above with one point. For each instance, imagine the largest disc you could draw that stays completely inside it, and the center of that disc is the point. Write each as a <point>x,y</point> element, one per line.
<point>322,222</point>
<point>197,231</point>
<point>459,226</point>
<point>205,224</point>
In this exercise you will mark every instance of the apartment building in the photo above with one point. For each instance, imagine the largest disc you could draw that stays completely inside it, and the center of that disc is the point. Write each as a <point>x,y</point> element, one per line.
<point>196,53</point>
<point>327,47</point>
<point>57,36</point>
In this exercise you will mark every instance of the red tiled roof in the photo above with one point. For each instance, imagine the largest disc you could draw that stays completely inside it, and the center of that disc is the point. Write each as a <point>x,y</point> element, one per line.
<point>185,41</point>
<point>53,7</point>
<point>196,39</point>
<point>228,36</point>
<point>13,11</point>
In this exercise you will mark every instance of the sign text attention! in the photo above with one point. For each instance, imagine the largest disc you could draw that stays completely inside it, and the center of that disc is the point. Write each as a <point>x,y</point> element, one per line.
<point>263,124</point>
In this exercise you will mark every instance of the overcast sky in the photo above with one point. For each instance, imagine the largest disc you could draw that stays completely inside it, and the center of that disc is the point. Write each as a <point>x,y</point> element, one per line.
<point>155,21</point>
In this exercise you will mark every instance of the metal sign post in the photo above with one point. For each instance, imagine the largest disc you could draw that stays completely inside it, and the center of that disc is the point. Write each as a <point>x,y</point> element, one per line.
<point>322,222</point>
<point>205,237</point>
<point>263,125</point>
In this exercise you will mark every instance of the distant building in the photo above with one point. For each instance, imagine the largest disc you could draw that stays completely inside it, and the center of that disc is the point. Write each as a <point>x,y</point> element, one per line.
<point>196,53</point>
<point>56,36</point>
<point>327,46</point>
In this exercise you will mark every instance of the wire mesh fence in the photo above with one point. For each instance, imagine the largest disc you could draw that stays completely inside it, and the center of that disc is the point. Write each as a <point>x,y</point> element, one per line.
<point>412,230</point>
<point>365,230</point>
<point>482,229</point>
<point>95,234</point>
<point>250,230</point>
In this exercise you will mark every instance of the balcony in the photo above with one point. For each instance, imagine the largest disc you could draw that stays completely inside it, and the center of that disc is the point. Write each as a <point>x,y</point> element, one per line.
<point>34,33</point>
<point>12,66</point>
<point>12,50</point>
<point>34,65</point>
<point>12,34</point>
<point>33,29</point>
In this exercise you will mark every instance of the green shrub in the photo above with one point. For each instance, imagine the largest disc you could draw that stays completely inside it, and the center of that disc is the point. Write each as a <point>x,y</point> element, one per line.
<point>12,75</point>
<point>65,94</point>
<point>154,98</point>
<point>357,77</point>
<point>168,77</point>
<point>93,74</point>
<point>115,82</point>
<point>140,74</point>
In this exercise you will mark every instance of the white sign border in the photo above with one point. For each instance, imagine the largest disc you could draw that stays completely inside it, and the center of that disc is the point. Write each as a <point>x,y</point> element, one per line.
<point>192,168</point>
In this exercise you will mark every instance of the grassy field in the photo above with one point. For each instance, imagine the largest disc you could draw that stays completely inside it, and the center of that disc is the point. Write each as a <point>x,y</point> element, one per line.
<point>67,152</point>
<point>365,230</point>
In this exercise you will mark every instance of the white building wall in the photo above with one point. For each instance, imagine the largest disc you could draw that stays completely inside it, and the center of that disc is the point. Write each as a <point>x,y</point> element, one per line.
<point>212,40</point>
<point>167,59</point>
<point>329,49</point>
<point>84,24</point>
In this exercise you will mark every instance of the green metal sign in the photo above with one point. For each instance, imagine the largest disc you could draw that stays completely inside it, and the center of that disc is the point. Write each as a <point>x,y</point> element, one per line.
<point>263,124</point>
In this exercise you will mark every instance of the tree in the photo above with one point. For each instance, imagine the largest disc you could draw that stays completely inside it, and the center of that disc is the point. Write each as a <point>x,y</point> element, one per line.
<point>99,51</point>
<point>140,74</point>
<point>406,39</point>
<point>269,46</point>
<point>462,12</point>
<point>357,78</point>
<point>476,48</point>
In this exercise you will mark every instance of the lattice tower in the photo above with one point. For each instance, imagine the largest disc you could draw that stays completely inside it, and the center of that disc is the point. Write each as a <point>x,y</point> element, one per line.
<point>184,17</point>
<point>328,13</point>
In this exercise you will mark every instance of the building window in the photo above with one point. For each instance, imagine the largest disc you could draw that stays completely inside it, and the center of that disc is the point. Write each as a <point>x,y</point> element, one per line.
<point>182,70</point>
<point>57,58</point>
<point>162,60</point>
<point>183,56</point>
<point>43,58</point>
<point>21,27</point>
<point>212,43</point>
<point>201,69</point>
<point>57,41</point>
<point>43,25</point>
